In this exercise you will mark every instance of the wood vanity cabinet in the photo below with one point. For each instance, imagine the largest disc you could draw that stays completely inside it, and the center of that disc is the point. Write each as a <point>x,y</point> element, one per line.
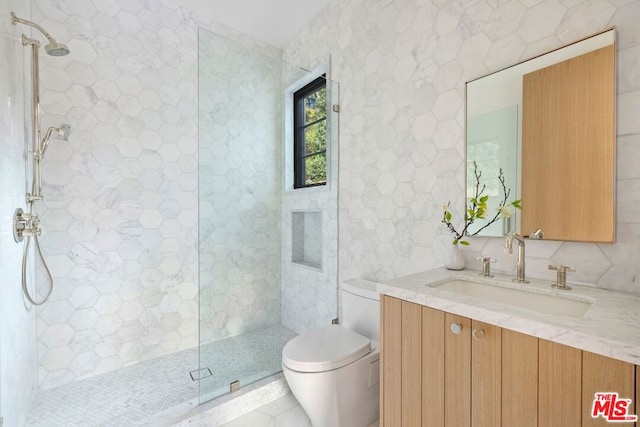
<point>428,375</point>
<point>601,374</point>
<point>559,384</point>
<point>439,369</point>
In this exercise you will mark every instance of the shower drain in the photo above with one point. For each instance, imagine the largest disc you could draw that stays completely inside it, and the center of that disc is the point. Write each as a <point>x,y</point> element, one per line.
<point>200,374</point>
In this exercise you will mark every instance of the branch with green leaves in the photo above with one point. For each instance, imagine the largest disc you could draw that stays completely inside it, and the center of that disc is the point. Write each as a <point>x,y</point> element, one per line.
<point>477,208</point>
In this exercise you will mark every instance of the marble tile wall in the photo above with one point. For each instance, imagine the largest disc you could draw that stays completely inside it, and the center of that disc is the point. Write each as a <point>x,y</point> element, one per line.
<point>402,68</point>
<point>18,364</point>
<point>306,238</point>
<point>310,295</point>
<point>120,210</point>
<point>120,216</point>
<point>120,228</point>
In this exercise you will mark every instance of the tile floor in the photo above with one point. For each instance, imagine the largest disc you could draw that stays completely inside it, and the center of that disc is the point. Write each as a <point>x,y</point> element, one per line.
<point>283,412</point>
<point>131,395</point>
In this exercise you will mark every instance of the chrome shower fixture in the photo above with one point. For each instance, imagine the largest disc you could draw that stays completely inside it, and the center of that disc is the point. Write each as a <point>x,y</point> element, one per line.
<point>63,131</point>
<point>53,48</point>
<point>60,133</point>
<point>26,225</point>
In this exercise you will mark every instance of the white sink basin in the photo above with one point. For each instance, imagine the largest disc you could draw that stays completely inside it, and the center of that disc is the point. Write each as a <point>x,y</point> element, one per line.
<point>531,300</point>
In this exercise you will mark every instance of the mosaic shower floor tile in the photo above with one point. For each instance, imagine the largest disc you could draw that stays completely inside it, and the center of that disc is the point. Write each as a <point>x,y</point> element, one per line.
<point>128,396</point>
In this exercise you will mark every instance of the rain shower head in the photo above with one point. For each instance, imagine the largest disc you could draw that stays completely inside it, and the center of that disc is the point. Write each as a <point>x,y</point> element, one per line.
<point>53,48</point>
<point>56,49</point>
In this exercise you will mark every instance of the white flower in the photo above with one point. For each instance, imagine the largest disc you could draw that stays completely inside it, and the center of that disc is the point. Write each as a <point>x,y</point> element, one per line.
<point>504,211</point>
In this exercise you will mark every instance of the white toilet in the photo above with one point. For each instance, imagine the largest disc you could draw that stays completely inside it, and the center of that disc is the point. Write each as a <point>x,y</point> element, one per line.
<point>334,371</point>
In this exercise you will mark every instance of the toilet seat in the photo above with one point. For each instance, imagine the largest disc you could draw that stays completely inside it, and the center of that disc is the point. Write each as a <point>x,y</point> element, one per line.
<point>324,349</point>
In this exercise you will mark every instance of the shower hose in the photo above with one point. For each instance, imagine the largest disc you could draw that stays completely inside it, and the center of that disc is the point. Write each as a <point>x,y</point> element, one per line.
<point>25,288</point>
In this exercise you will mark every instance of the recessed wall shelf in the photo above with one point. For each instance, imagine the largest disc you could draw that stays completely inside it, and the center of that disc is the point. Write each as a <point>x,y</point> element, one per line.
<point>306,239</point>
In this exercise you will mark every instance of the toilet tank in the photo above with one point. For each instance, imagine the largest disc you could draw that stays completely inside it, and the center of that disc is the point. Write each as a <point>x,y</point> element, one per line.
<point>361,307</point>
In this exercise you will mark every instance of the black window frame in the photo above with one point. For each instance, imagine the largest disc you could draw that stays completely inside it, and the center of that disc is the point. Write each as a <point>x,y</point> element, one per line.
<point>299,126</point>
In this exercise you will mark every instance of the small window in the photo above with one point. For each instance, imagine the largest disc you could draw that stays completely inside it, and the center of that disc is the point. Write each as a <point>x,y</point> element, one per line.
<point>310,134</point>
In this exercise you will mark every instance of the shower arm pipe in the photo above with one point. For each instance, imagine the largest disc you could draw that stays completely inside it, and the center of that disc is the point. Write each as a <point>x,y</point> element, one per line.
<point>36,191</point>
<point>15,20</point>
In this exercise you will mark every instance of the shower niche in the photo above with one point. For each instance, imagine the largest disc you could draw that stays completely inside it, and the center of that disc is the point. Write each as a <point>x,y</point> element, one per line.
<point>306,239</point>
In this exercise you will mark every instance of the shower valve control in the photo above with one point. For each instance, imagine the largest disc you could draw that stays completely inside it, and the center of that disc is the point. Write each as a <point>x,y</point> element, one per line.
<point>25,225</point>
<point>32,198</point>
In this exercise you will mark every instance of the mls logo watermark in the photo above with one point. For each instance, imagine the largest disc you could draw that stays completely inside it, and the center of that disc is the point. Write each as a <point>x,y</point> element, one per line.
<point>612,408</point>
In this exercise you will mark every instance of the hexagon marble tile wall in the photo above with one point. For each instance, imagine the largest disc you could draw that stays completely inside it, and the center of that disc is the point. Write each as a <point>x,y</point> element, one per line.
<point>402,68</point>
<point>18,362</point>
<point>121,208</point>
<point>239,198</point>
<point>121,211</point>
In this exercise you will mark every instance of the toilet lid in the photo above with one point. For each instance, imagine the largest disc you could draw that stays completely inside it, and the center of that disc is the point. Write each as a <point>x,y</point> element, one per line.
<point>324,349</point>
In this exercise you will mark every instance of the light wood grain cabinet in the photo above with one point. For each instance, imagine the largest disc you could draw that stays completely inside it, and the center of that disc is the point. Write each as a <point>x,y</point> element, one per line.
<point>486,374</point>
<point>433,372</point>
<point>457,369</point>
<point>603,374</point>
<point>391,360</point>
<point>569,148</point>
<point>411,371</point>
<point>519,379</point>
<point>559,385</point>
<point>436,377</point>
<point>573,377</point>
<point>443,370</point>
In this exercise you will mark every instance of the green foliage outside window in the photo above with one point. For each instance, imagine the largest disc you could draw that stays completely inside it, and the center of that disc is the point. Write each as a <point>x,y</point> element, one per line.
<point>316,138</point>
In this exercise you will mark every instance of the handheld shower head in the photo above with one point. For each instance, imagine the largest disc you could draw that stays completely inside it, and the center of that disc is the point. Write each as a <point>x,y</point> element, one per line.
<point>63,131</point>
<point>53,48</point>
<point>60,133</point>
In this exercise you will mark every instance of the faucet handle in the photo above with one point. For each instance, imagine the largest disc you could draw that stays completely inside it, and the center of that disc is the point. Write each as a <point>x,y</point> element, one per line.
<point>561,280</point>
<point>486,265</point>
<point>562,268</point>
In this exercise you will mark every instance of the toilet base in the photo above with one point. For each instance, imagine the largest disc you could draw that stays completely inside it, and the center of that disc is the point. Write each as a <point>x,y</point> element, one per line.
<point>344,397</point>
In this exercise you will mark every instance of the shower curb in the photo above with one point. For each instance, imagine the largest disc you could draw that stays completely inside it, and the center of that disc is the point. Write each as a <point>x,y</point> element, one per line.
<point>223,409</point>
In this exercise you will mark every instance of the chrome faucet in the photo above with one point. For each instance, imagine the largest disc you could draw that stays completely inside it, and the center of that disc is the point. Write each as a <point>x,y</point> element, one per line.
<point>520,277</point>
<point>561,280</point>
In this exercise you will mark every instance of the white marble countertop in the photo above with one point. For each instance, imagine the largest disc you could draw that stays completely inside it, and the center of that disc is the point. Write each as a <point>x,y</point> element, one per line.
<point>610,327</point>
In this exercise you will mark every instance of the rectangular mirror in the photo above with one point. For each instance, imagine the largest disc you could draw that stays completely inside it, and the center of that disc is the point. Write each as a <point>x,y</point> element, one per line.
<point>549,124</point>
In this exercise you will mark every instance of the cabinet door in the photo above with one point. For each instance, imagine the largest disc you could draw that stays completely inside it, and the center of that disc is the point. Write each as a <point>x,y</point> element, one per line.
<point>433,332</point>
<point>560,385</point>
<point>486,369</point>
<point>411,363</point>
<point>519,379</point>
<point>391,357</point>
<point>604,374</point>
<point>457,371</point>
